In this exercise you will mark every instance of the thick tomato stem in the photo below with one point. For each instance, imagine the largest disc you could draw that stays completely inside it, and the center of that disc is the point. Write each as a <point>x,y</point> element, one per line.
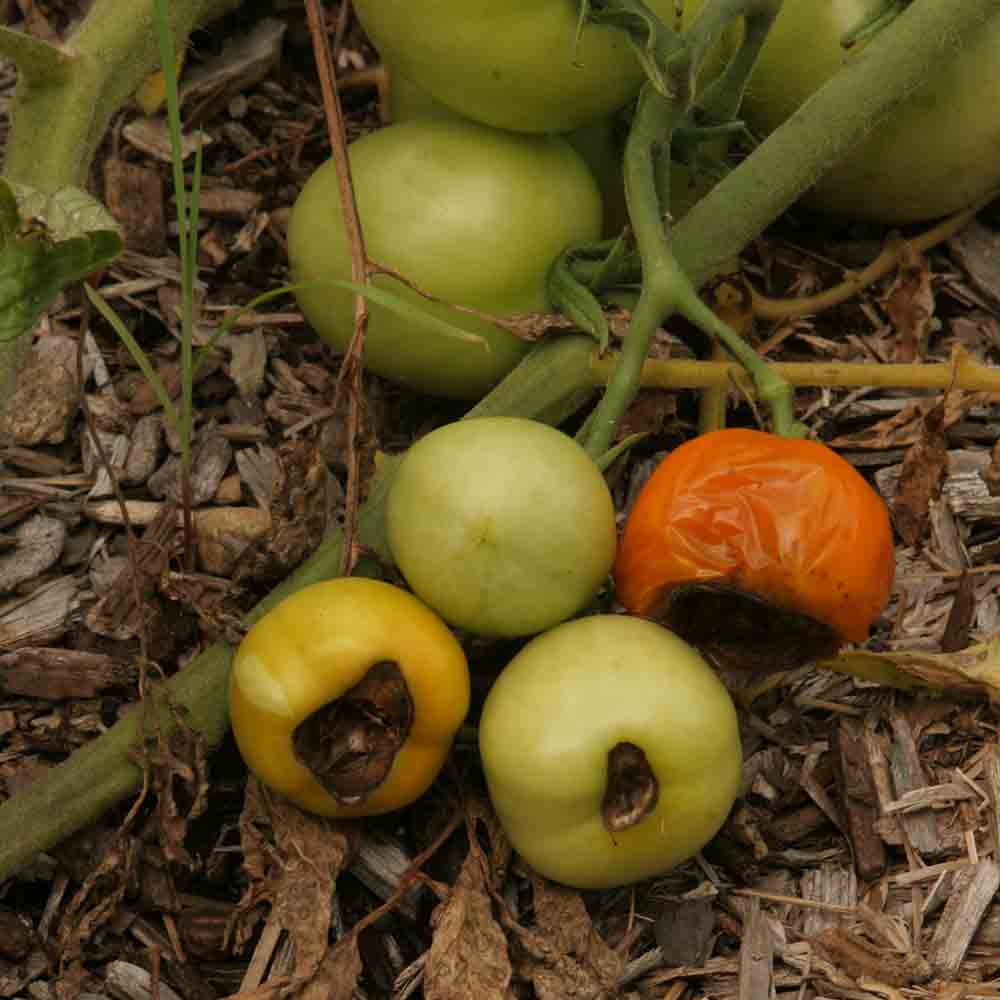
<point>665,104</point>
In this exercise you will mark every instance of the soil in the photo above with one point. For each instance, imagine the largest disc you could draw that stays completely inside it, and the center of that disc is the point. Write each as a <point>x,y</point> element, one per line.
<point>862,856</point>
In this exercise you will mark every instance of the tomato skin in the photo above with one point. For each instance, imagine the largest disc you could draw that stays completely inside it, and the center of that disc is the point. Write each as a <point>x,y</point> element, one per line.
<point>509,63</point>
<point>313,648</point>
<point>788,520</point>
<point>471,215</point>
<point>935,153</point>
<point>504,526</point>
<point>563,703</point>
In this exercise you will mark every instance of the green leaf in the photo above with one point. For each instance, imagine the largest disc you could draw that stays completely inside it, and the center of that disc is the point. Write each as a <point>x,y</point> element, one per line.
<point>46,243</point>
<point>576,301</point>
<point>411,312</point>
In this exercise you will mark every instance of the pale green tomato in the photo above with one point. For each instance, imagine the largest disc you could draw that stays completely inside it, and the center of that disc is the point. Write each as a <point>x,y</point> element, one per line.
<point>935,153</point>
<point>557,711</point>
<point>513,64</point>
<point>470,214</point>
<point>503,526</point>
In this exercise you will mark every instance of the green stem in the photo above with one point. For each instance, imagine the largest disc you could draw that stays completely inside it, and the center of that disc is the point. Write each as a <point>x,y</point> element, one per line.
<point>58,121</point>
<point>883,15</point>
<point>654,121</point>
<point>66,97</point>
<point>38,62</point>
<point>665,286</point>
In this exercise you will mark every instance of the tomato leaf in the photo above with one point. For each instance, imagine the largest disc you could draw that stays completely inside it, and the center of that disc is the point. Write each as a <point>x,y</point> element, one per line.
<point>576,301</point>
<point>409,311</point>
<point>47,242</point>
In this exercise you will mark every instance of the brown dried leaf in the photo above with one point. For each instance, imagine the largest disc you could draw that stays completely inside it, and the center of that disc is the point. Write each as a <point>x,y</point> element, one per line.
<point>909,304</point>
<point>975,670</point>
<point>564,958</point>
<point>468,954</point>
<point>560,914</point>
<point>293,860</point>
<point>337,974</point>
<point>300,509</point>
<point>920,479</point>
<point>905,428</point>
<point>991,474</point>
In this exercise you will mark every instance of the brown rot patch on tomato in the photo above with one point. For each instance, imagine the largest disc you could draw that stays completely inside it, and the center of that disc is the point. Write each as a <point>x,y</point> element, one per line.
<point>739,630</point>
<point>350,744</point>
<point>632,790</point>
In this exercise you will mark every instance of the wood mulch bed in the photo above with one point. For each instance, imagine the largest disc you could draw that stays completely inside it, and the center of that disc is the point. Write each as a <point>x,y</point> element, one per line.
<point>862,858</point>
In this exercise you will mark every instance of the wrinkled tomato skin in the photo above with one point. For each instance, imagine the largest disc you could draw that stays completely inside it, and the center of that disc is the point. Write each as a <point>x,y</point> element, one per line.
<point>935,153</point>
<point>787,520</point>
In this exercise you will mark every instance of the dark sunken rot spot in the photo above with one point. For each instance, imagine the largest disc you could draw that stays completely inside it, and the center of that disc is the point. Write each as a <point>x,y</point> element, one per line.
<point>739,630</point>
<point>632,791</point>
<point>350,744</point>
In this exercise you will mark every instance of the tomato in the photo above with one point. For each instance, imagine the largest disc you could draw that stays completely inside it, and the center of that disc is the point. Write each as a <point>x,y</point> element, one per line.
<point>345,698</point>
<point>509,63</point>
<point>504,526</point>
<point>784,519</point>
<point>471,215</point>
<point>936,153</point>
<point>611,751</point>
<point>601,144</point>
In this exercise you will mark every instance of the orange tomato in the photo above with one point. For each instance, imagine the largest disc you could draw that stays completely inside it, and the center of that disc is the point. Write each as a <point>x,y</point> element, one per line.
<point>787,520</point>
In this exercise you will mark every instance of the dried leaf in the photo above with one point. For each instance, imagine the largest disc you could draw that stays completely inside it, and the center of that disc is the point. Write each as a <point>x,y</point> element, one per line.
<point>905,428</point>
<point>293,860</point>
<point>337,974</point>
<point>909,303</point>
<point>921,476</point>
<point>564,958</point>
<point>560,914</point>
<point>991,474</point>
<point>468,955</point>
<point>975,670</point>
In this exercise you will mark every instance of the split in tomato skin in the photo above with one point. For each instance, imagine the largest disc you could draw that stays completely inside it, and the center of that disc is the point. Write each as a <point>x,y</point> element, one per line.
<point>787,520</point>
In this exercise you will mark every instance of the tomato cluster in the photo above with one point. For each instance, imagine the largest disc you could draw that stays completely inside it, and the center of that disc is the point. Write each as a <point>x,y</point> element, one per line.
<point>609,744</point>
<point>610,747</point>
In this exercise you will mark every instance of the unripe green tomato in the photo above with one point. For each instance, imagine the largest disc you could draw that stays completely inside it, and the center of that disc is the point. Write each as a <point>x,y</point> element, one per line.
<point>509,63</point>
<point>503,526</point>
<point>472,215</point>
<point>936,151</point>
<point>555,720</point>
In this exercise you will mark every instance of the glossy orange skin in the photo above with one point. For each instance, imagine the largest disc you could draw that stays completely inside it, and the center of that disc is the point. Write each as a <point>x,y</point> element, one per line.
<point>787,520</point>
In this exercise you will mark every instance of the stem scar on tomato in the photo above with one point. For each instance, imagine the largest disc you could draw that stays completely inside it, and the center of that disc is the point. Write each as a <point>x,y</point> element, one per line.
<point>350,744</point>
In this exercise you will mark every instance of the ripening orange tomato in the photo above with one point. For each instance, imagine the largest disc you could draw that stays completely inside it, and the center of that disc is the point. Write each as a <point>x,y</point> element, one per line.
<point>787,520</point>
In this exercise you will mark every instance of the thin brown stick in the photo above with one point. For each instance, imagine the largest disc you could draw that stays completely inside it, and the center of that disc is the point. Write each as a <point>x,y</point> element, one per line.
<point>349,379</point>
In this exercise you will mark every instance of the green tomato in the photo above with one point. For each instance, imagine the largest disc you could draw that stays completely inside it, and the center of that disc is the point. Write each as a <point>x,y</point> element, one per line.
<point>472,215</point>
<point>504,526</point>
<point>509,63</point>
<point>601,144</point>
<point>574,805</point>
<point>935,153</point>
